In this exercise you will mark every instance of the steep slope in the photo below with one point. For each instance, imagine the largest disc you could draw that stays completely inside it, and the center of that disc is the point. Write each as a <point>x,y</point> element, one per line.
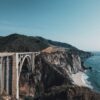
<point>65,92</point>
<point>53,81</point>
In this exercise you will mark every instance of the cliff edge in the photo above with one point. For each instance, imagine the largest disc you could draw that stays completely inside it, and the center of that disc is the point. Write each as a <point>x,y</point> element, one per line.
<point>53,71</point>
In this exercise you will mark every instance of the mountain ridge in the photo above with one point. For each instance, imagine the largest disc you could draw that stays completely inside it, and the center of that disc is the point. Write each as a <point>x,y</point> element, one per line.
<point>50,42</point>
<point>22,43</point>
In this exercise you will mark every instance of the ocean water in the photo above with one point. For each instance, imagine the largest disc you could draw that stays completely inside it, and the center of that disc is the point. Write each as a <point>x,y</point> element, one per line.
<point>93,75</point>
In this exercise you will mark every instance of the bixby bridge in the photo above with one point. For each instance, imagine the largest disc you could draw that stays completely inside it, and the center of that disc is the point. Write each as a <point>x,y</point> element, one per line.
<point>11,65</point>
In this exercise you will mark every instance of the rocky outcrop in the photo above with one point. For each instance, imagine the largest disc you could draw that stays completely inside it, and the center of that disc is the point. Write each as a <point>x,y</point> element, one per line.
<point>69,93</point>
<point>64,59</point>
<point>53,69</point>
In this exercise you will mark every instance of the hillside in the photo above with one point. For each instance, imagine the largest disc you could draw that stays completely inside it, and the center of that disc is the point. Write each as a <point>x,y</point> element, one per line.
<point>83,54</point>
<point>22,43</point>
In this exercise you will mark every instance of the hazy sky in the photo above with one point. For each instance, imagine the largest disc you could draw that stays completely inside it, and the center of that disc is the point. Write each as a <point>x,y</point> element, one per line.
<point>72,21</point>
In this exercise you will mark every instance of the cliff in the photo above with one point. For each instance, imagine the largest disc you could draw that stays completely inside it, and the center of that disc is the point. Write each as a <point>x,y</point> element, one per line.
<point>69,93</point>
<point>53,81</point>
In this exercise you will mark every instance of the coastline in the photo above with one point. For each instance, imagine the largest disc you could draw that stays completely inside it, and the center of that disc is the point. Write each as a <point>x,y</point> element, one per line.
<point>80,79</point>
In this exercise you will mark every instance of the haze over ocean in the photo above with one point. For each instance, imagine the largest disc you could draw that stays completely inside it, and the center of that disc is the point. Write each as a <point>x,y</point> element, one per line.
<point>72,21</point>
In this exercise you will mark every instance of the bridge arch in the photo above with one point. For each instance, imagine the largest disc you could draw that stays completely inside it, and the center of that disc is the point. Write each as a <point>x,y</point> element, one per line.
<point>26,80</point>
<point>28,58</point>
<point>17,68</point>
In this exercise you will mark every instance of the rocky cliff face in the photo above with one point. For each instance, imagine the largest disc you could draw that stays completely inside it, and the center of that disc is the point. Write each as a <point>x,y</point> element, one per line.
<point>53,81</point>
<point>63,59</point>
<point>56,65</point>
<point>69,93</point>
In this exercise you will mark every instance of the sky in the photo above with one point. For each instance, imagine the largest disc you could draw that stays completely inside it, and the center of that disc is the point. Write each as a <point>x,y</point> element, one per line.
<point>76,22</point>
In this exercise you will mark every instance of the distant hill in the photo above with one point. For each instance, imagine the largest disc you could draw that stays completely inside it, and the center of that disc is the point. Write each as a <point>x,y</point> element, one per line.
<point>56,43</point>
<point>74,50</point>
<point>22,43</point>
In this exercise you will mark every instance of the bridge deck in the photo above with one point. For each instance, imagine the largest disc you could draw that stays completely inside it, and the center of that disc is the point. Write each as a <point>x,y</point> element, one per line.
<point>5,54</point>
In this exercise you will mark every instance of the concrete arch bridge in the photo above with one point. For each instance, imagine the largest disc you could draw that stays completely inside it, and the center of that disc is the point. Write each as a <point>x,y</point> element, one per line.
<point>16,70</point>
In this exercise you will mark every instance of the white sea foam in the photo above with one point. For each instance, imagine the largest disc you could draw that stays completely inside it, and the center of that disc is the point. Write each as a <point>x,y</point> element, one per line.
<point>80,79</point>
<point>85,81</point>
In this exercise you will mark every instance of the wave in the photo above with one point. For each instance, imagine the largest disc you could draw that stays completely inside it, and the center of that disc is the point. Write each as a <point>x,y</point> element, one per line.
<point>97,71</point>
<point>94,70</point>
<point>85,80</point>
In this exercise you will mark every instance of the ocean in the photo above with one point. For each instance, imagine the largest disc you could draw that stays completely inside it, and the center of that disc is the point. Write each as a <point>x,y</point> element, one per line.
<point>93,76</point>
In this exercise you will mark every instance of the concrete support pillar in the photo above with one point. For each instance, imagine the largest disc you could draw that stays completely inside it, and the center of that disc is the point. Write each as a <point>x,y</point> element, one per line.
<point>1,76</point>
<point>3,65</point>
<point>17,78</point>
<point>7,75</point>
<point>33,61</point>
